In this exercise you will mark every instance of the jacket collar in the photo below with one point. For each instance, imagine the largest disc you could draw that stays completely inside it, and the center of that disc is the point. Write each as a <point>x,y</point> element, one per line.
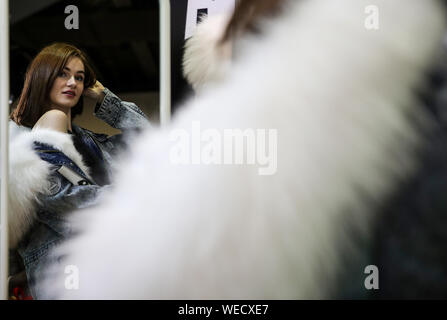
<point>49,154</point>
<point>62,142</point>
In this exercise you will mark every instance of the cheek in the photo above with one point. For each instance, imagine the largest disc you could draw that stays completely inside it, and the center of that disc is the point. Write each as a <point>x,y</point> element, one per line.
<point>56,86</point>
<point>53,91</point>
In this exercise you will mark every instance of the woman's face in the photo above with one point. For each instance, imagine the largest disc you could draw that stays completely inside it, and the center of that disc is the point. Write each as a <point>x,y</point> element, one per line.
<point>68,86</point>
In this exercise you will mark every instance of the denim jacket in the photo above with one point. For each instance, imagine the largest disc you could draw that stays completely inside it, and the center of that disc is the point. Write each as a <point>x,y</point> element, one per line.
<point>50,179</point>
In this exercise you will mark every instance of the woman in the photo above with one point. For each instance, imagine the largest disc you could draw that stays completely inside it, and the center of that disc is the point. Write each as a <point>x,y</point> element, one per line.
<point>58,167</point>
<point>341,98</point>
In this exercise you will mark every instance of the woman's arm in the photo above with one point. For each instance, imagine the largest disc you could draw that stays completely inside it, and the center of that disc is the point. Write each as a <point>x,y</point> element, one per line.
<point>56,223</point>
<point>64,197</point>
<point>111,109</point>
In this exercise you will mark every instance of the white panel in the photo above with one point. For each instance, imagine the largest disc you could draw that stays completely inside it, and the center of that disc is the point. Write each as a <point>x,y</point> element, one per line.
<point>165,61</point>
<point>4,111</point>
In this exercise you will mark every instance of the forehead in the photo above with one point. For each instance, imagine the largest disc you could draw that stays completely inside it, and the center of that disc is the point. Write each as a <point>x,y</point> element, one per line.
<point>74,64</point>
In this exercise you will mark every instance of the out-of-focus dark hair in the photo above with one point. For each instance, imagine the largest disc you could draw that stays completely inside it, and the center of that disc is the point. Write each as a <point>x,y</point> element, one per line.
<point>39,79</point>
<point>247,14</point>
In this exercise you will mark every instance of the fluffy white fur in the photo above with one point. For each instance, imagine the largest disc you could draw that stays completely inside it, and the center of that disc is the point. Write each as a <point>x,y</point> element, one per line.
<point>205,61</point>
<point>337,94</point>
<point>29,175</point>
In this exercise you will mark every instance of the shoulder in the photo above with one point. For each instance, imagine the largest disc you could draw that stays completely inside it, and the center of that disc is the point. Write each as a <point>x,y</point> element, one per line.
<point>53,119</point>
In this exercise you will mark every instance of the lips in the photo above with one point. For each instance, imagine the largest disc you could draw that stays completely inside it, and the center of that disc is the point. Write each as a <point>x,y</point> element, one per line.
<point>69,93</point>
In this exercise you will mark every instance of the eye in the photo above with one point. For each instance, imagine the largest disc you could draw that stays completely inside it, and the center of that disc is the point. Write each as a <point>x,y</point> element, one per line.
<point>62,74</point>
<point>79,78</point>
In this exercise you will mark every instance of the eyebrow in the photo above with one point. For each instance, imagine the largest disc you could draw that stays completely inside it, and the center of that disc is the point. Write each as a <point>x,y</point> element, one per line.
<point>80,71</point>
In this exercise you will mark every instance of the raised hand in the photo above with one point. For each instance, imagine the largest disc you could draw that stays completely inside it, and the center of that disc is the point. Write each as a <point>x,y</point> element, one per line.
<point>95,92</point>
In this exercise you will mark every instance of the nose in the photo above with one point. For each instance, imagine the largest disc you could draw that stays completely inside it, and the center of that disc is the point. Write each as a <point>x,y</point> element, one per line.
<point>71,82</point>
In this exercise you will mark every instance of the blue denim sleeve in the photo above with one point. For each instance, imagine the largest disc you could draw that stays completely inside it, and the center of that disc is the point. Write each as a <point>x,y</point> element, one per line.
<point>120,114</point>
<point>64,198</point>
<point>54,226</point>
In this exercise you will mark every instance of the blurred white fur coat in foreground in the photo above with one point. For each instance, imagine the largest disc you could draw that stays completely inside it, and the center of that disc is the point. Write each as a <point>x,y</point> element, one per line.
<point>338,95</point>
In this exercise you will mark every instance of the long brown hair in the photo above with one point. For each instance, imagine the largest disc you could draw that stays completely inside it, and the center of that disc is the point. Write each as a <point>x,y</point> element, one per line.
<point>39,79</point>
<point>247,14</point>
